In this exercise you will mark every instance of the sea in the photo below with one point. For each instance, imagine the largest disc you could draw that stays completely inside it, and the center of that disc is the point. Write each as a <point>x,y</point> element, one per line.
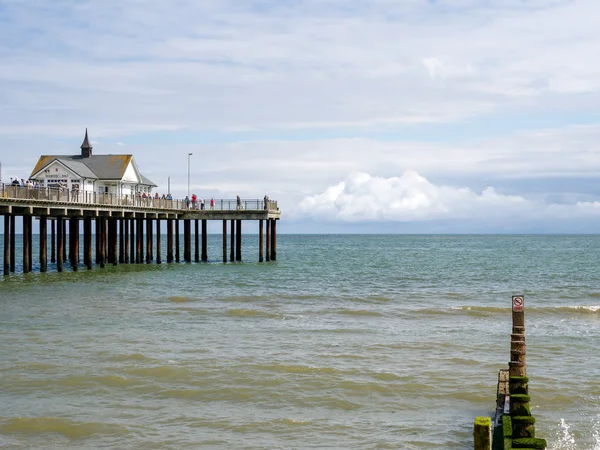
<point>344,342</point>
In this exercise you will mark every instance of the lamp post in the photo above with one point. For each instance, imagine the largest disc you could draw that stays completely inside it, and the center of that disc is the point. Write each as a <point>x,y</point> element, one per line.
<point>189,154</point>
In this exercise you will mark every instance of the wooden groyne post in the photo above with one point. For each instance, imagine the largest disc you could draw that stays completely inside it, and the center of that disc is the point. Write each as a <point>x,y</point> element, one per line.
<point>513,426</point>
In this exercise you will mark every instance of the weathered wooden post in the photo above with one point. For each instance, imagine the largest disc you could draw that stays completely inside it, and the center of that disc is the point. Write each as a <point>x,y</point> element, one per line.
<point>111,240</point>
<point>59,245</point>
<point>238,244</point>
<point>43,243</point>
<point>6,244</point>
<point>26,244</point>
<point>260,241</point>
<point>204,241</point>
<point>224,240</point>
<point>64,240</point>
<point>30,219</point>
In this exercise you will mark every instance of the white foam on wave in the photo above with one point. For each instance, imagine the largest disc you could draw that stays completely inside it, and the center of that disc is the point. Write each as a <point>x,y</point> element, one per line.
<point>566,441</point>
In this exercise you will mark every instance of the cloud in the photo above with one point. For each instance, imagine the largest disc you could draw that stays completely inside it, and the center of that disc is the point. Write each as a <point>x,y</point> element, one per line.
<point>120,144</point>
<point>411,197</point>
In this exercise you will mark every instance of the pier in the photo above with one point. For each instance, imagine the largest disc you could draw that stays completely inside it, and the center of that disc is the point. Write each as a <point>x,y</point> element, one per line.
<point>127,229</point>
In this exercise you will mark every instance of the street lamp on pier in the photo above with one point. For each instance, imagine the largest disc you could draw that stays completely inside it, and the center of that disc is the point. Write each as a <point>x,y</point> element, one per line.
<point>189,154</point>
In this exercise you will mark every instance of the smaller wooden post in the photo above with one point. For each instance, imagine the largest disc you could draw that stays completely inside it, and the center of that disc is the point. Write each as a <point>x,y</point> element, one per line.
<point>132,241</point>
<point>482,433</point>
<point>187,241</point>
<point>121,241</point>
<point>75,251</point>
<point>149,235</point>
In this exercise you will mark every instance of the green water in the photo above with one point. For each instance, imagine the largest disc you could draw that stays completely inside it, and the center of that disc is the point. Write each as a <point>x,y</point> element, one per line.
<point>344,342</point>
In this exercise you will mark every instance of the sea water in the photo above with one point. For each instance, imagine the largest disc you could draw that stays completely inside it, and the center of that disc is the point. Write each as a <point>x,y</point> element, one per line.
<point>345,342</point>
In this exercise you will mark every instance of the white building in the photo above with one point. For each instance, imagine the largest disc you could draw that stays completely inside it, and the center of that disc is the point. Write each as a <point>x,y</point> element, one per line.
<point>102,174</point>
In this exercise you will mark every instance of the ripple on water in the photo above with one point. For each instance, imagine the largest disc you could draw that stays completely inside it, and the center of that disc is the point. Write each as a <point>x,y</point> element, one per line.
<point>68,428</point>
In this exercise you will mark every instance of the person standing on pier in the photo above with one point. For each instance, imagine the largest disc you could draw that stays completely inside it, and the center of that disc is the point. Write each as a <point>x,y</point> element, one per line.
<point>212,204</point>
<point>239,203</point>
<point>202,204</point>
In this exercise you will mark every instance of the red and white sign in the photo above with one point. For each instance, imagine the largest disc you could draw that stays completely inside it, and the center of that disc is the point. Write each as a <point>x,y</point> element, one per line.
<point>517,303</point>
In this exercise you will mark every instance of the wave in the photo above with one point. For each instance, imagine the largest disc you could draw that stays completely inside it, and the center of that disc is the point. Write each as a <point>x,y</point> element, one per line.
<point>358,312</point>
<point>65,427</point>
<point>254,313</point>
<point>484,311</point>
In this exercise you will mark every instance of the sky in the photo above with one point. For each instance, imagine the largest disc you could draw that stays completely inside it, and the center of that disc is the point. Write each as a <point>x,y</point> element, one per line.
<point>379,116</point>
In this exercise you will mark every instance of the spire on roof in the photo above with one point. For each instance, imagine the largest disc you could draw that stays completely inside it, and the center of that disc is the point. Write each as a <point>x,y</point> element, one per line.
<point>86,147</point>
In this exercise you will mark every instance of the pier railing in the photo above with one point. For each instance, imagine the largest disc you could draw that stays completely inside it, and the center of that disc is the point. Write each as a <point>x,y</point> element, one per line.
<point>62,195</point>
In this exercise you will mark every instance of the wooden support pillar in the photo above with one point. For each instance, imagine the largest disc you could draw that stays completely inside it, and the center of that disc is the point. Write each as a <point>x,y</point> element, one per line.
<point>114,224</point>
<point>204,241</point>
<point>224,241</point>
<point>132,245</point>
<point>169,241</point>
<point>64,241</point>
<point>187,241</point>
<point>111,237</point>
<point>141,221</point>
<point>196,241</point>
<point>268,241</point>
<point>87,242</point>
<point>26,244</point>
<point>59,244</point>
<point>232,251</point>
<point>43,244</point>
<point>52,241</point>
<point>125,233</point>
<point>97,239</point>
<point>103,240</point>
<point>273,240</point>
<point>138,241</point>
<point>177,259</point>
<point>149,235</point>
<point>238,243</point>
<point>13,238</point>
<point>6,244</point>
<point>121,241</point>
<point>30,219</point>
<point>260,241</point>
<point>106,239</point>
<point>158,256</point>
<point>74,236</point>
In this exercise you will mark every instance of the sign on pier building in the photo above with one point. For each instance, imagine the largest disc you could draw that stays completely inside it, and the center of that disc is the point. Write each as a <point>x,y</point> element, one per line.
<point>86,172</point>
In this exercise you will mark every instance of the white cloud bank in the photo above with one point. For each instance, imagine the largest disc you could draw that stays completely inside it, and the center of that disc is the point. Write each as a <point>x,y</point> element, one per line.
<point>411,197</point>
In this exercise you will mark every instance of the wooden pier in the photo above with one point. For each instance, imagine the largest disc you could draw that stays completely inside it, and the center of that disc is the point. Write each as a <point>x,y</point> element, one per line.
<point>120,223</point>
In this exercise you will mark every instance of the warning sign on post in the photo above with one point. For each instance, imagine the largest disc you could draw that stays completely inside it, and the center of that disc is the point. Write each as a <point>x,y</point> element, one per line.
<point>517,303</point>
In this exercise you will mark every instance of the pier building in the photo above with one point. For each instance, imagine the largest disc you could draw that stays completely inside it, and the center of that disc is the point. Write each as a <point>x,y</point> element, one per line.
<point>105,221</point>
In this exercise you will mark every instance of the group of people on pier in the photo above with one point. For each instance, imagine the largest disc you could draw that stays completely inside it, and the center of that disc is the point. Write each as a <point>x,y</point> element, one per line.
<point>196,204</point>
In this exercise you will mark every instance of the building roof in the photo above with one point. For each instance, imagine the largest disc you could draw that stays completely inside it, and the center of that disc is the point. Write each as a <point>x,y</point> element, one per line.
<point>99,167</point>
